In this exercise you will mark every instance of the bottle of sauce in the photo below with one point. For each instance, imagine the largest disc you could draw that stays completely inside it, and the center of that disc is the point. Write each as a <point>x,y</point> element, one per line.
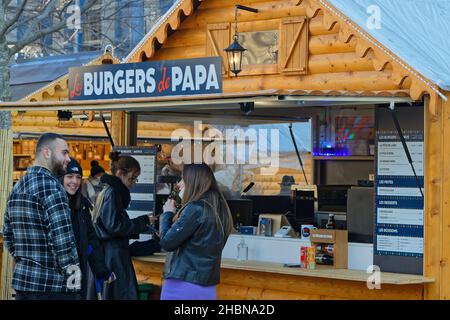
<point>331,224</point>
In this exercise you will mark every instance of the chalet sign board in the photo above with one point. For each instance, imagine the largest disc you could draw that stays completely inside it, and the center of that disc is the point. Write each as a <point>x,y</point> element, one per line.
<point>146,79</point>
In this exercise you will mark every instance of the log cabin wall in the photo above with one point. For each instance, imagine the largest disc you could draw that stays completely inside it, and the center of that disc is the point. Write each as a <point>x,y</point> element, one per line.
<point>47,121</point>
<point>312,54</point>
<point>270,184</point>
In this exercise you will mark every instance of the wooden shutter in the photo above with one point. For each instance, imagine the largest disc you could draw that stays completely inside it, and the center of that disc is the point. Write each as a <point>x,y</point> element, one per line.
<point>293,46</point>
<point>217,39</point>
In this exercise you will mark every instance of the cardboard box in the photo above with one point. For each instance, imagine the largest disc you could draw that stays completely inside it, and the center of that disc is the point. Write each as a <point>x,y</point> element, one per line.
<point>339,240</point>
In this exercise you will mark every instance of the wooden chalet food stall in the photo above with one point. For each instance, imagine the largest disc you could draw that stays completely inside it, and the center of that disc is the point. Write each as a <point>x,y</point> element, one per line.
<point>323,60</point>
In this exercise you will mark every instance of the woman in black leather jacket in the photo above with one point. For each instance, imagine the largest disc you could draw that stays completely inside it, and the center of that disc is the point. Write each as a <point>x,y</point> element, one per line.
<point>196,238</point>
<point>115,228</point>
<point>90,252</point>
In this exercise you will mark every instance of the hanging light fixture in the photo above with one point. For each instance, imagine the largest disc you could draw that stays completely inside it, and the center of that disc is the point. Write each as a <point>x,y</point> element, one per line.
<point>235,51</point>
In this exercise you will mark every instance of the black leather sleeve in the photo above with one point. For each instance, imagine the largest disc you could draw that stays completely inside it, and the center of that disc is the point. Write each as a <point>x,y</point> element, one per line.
<point>117,224</point>
<point>174,236</point>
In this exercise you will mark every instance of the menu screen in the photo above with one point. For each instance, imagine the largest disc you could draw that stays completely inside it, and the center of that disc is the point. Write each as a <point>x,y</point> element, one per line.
<point>399,221</point>
<point>143,193</point>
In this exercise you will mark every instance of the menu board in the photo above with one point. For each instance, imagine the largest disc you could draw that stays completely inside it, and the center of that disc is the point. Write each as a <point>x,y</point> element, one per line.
<point>143,193</point>
<point>399,218</point>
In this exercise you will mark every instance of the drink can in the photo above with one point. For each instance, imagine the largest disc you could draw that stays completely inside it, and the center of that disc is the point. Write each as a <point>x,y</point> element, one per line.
<point>303,256</point>
<point>311,263</point>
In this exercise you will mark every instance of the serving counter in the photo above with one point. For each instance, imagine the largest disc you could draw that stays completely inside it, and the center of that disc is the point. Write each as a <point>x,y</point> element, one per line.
<point>268,280</point>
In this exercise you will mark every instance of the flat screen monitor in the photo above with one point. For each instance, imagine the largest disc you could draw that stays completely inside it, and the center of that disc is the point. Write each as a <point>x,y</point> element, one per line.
<point>360,211</point>
<point>332,197</point>
<point>304,206</point>
<point>271,204</point>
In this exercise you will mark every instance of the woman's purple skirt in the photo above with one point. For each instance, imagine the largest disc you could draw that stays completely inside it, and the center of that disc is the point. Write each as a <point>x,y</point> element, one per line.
<point>181,290</point>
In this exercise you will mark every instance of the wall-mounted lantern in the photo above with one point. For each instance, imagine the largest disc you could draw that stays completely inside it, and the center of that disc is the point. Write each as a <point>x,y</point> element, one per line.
<point>235,51</point>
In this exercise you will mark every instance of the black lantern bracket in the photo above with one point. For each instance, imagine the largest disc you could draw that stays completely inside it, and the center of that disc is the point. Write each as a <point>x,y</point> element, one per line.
<point>235,51</point>
<point>238,6</point>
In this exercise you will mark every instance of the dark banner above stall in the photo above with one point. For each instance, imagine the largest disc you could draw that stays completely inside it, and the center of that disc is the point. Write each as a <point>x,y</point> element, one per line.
<point>146,79</point>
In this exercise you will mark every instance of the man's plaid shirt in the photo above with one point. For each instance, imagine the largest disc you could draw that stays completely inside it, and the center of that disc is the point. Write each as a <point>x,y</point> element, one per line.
<point>38,233</point>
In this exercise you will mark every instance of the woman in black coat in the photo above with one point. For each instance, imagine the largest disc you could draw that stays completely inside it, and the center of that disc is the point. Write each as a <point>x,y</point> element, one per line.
<point>90,251</point>
<point>115,228</point>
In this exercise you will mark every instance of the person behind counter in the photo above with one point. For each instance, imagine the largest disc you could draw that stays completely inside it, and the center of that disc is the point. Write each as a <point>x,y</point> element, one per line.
<point>115,228</point>
<point>88,245</point>
<point>196,238</point>
<point>92,186</point>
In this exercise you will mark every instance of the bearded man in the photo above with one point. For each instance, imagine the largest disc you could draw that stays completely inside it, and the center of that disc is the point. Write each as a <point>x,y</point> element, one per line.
<point>38,230</point>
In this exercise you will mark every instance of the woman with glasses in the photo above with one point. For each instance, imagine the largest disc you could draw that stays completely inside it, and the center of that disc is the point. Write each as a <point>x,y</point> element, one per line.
<point>115,228</point>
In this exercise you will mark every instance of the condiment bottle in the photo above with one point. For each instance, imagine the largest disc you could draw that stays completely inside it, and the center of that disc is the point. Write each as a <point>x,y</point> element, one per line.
<point>242,250</point>
<point>331,224</point>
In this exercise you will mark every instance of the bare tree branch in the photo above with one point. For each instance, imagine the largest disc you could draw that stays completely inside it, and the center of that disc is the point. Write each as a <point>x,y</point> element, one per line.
<point>29,15</point>
<point>41,16</point>
<point>13,20</point>
<point>112,16</point>
<point>24,19</point>
<point>129,25</point>
<point>97,26</point>
<point>36,35</point>
<point>112,20</point>
<point>35,13</point>
<point>6,4</point>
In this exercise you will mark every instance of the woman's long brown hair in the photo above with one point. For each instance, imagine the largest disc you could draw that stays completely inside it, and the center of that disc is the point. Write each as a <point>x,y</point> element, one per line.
<point>200,183</point>
<point>123,162</point>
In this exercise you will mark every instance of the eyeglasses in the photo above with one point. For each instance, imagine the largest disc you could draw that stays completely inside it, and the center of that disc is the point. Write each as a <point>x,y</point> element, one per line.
<point>134,179</point>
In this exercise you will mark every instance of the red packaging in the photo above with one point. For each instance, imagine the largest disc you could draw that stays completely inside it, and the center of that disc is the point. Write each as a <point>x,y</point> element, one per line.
<point>303,256</point>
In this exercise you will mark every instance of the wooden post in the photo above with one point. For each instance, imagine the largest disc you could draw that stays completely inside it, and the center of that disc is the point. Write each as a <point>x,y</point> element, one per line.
<point>131,128</point>
<point>434,192</point>
<point>118,127</point>
<point>6,181</point>
<point>445,200</point>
